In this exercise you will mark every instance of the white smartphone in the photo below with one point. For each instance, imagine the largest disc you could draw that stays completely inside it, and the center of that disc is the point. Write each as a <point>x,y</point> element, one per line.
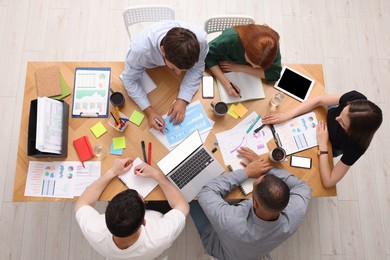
<point>208,87</point>
<point>301,162</point>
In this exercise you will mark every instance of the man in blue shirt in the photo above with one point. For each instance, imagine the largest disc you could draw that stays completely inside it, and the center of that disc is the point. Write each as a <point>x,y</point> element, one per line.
<point>181,47</point>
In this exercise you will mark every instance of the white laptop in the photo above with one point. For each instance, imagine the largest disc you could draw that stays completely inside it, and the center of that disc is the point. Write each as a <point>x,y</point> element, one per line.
<point>190,166</point>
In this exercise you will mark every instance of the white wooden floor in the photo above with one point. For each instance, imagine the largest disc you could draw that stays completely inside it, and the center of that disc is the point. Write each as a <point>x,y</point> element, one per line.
<point>351,38</point>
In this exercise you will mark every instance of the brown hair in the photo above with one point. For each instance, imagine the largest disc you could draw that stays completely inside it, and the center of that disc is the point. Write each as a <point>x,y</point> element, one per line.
<point>365,118</point>
<point>261,43</point>
<point>181,48</point>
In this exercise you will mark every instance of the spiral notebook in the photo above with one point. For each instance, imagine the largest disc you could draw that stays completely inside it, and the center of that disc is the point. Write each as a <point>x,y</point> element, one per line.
<point>247,186</point>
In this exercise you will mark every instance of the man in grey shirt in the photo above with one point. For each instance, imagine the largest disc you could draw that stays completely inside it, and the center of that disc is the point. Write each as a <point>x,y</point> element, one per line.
<point>252,228</point>
<point>180,46</point>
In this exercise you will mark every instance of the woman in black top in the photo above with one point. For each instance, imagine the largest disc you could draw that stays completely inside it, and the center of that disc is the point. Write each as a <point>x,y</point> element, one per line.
<point>350,126</point>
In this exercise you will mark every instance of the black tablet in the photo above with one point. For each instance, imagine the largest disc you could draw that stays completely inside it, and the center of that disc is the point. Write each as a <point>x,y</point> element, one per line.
<point>294,84</point>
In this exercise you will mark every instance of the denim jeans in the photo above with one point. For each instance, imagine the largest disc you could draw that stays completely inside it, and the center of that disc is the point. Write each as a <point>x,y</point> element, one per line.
<point>200,219</point>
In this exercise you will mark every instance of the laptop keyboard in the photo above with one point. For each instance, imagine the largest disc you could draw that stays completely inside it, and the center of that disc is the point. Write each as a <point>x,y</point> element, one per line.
<point>187,171</point>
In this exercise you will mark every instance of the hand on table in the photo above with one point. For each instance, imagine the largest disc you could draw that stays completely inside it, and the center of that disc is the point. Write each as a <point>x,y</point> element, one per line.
<point>322,135</point>
<point>177,111</point>
<point>274,118</point>
<point>257,168</point>
<point>248,154</point>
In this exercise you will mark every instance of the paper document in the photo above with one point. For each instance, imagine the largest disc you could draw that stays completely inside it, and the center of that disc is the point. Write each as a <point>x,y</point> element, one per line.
<point>251,87</point>
<point>60,179</point>
<point>49,125</point>
<point>297,134</point>
<point>91,92</point>
<point>231,140</point>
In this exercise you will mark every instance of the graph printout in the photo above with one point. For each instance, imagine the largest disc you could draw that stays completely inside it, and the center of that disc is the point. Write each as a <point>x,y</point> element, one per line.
<point>195,119</point>
<point>298,134</point>
<point>91,92</point>
<point>60,179</point>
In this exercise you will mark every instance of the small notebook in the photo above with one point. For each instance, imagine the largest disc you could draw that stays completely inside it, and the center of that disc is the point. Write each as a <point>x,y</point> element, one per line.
<point>247,186</point>
<point>250,87</point>
<point>83,149</point>
<point>48,81</point>
<point>143,185</point>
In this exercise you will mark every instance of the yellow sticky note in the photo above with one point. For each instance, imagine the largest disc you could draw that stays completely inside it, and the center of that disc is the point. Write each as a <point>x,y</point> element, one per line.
<point>98,129</point>
<point>231,111</point>
<point>240,110</point>
<point>119,142</point>
<point>137,117</point>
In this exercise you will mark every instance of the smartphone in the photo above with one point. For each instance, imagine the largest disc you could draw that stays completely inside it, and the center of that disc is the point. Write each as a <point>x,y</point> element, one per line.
<point>208,87</point>
<point>301,162</point>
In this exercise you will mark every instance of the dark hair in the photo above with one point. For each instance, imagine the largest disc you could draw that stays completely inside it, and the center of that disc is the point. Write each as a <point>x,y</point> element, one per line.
<point>365,118</point>
<point>125,213</point>
<point>272,193</point>
<point>181,48</point>
<point>261,43</point>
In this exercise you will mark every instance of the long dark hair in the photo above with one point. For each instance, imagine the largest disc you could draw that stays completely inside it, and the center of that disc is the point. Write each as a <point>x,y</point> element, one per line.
<point>365,118</point>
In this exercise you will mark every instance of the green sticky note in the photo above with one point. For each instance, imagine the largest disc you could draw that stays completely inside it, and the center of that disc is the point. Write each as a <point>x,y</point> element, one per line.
<point>64,89</point>
<point>98,129</point>
<point>231,111</point>
<point>136,117</point>
<point>119,142</point>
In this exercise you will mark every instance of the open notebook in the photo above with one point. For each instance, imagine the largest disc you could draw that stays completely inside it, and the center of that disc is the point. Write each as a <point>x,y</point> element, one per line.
<point>247,186</point>
<point>251,87</point>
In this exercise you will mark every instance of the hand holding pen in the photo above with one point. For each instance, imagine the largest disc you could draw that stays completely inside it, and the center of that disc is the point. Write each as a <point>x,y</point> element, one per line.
<point>236,90</point>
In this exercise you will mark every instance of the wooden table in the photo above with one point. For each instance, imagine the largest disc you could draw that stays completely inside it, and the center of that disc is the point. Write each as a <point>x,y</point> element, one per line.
<point>168,86</point>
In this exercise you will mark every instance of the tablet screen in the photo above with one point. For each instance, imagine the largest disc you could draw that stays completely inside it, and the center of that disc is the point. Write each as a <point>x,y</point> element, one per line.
<point>294,84</point>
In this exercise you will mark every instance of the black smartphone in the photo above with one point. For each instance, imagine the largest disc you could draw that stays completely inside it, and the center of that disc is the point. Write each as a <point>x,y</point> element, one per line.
<point>208,87</point>
<point>301,162</point>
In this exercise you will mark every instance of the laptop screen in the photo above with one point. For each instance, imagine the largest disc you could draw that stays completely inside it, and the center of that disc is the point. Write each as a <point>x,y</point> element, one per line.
<point>180,152</point>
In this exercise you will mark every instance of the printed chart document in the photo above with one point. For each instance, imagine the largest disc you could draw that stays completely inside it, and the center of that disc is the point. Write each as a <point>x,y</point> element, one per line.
<point>60,179</point>
<point>143,185</point>
<point>195,119</point>
<point>231,140</point>
<point>49,125</point>
<point>91,92</point>
<point>297,134</point>
<point>251,87</point>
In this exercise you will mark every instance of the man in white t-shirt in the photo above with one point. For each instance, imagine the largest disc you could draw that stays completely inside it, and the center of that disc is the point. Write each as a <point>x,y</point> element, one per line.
<point>127,230</point>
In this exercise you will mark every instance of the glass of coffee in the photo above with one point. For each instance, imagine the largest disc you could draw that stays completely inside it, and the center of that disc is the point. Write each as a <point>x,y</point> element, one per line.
<point>219,108</point>
<point>277,155</point>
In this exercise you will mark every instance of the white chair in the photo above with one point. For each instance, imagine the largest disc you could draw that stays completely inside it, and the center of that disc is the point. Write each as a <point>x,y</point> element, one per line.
<point>220,23</point>
<point>139,14</point>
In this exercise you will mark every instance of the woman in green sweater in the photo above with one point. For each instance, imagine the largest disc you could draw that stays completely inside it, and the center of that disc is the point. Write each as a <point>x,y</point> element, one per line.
<point>251,49</point>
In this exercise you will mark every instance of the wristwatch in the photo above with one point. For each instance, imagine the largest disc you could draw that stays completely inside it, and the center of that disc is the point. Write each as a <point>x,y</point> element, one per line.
<point>321,152</point>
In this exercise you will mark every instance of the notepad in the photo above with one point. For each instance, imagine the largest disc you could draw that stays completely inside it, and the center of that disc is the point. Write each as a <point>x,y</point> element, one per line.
<point>136,117</point>
<point>231,111</point>
<point>143,185</point>
<point>247,186</point>
<point>115,151</point>
<point>98,129</point>
<point>250,87</point>
<point>240,110</point>
<point>83,149</point>
<point>48,81</point>
<point>119,142</point>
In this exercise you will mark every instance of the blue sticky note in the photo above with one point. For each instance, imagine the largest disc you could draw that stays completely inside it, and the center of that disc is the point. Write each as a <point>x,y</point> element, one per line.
<point>115,152</point>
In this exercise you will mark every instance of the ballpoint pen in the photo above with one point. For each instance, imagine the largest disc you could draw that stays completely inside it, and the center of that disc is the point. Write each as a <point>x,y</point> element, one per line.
<point>144,151</point>
<point>142,169</point>
<point>160,125</point>
<point>235,89</point>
